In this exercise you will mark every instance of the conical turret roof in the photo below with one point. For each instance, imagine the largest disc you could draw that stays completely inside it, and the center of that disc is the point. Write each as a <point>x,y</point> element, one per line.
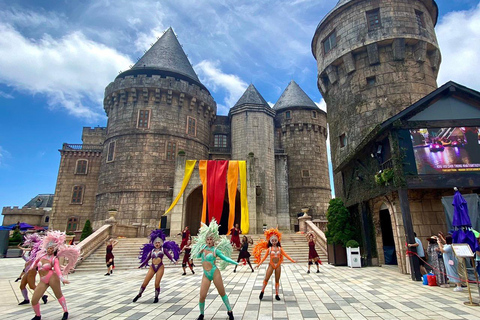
<point>251,96</point>
<point>294,97</point>
<point>165,57</point>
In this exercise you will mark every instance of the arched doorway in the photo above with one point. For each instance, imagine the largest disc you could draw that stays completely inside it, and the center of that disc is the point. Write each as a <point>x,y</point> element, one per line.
<point>193,211</point>
<point>387,238</point>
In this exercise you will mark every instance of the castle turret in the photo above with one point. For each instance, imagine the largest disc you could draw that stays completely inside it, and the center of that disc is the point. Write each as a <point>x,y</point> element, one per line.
<point>374,58</point>
<point>156,109</point>
<point>302,132</point>
<point>252,127</point>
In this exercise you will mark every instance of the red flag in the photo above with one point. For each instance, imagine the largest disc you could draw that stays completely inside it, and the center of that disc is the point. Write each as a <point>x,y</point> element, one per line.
<point>216,177</point>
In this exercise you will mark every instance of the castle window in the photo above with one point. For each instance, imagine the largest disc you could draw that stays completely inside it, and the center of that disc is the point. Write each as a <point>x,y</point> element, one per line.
<point>373,19</point>
<point>325,80</point>
<point>111,151</point>
<point>143,119</point>
<point>220,141</point>
<point>288,115</point>
<point>343,140</point>
<point>171,150</point>
<point>305,173</point>
<point>371,80</point>
<point>47,219</point>
<point>191,126</point>
<point>314,114</point>
<point>77,195</point>
<point>330,42</point>
<point>72,224</point>
<point>420,19</point>
<point>81,167</point>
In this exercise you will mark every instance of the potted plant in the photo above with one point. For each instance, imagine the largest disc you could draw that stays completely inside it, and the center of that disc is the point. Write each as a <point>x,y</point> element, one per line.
<point>87,230</point>
<point>387,176</point>
<point>353,254</point>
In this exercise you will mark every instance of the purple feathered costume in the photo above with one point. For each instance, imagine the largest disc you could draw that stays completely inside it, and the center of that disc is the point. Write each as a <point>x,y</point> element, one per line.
<point>148,252</point>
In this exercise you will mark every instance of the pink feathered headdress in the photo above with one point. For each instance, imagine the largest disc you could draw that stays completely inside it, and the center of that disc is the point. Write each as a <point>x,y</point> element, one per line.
<point>54,239</point>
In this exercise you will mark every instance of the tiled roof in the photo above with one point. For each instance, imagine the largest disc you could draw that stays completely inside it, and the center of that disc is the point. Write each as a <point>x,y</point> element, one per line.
<point>41,201</point>
<point>251,96</point>
<point>294,97</point>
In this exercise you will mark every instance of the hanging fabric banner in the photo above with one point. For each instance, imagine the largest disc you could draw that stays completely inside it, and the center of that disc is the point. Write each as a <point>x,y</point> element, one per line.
<point>189,166</point>
<point>245,220</point>
<point>202,169</point>
<point>232,181</point>
<point>216,181</point>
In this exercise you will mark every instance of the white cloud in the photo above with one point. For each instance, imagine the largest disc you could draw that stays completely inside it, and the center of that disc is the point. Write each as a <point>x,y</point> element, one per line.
<point>3,155</point>
<point>322,105</point>
<point>216,80</point>
<point>71,71</point>
<point>458,36</point>
<point>5,95</point>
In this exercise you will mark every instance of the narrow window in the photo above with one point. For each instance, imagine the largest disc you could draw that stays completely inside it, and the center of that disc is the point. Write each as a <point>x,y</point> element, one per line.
<point>220,141</point>
<point>288,115</point>
<point>77,194</point>
<point>314,114</point>
<point>329,42</point>
<point>47,218</point>
<point>371,80</point>
<point>191,126</point>
<point>72,224</point>
<point>143,118</point>
<point>343,140</point>
<point>171,150</point>
<point>111,151</point>
<point>81,167</point>
<point>373,19</point>
<point>325,80</point>
<point>420,19</point>
<point>305,173</point>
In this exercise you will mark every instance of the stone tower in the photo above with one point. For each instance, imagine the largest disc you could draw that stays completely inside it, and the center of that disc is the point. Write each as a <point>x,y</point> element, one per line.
<point>156,109</point>
<point>374,58</point>
<point>252,128</point>
<point>302,132</point>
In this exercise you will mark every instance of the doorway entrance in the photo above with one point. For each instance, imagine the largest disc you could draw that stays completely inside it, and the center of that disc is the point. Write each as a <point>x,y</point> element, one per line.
<point>389,251</point>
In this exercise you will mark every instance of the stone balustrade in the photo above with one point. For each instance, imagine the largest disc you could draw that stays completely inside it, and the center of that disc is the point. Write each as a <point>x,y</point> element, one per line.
<point>94,241</point>
<point>320,238</point>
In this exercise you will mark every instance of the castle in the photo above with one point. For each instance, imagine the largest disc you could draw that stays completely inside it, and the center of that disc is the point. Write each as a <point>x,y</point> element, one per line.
<point>159,116</point>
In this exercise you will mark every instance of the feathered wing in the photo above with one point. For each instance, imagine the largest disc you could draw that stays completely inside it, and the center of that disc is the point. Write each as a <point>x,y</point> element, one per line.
<point>258,249</point>
<point>199,242</point>
<point>173,248</point>
<point>226,248</point>
<point>71,254</point>
<point>144,251</point>
<point>36,248</point>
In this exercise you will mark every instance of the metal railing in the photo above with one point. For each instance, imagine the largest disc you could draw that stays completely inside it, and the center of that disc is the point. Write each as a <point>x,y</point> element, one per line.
<point>82,147</point>
<point>387,164</point>
<point>220,150</point>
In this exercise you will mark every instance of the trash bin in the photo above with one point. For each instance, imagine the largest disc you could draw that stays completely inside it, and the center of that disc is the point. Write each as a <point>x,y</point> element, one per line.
<point>353,258</point>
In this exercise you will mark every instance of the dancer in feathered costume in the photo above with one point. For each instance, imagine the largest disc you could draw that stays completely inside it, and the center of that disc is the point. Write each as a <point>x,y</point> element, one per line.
<point>32,244</point>
<point>204,248</point>
<point>276,253</point>
<point>312,253</point>
<point>53,247</point>
<point>155,250</point>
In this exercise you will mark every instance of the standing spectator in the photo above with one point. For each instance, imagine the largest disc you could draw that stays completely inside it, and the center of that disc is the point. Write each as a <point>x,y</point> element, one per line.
<point>435,259</point>
<point>185,237</point>
<point>420,252</point>
<point>235,239</point>
<point>451,263</point>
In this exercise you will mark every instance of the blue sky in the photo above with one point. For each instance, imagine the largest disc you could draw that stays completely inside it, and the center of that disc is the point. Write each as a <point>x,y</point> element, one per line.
<point>57,57</point>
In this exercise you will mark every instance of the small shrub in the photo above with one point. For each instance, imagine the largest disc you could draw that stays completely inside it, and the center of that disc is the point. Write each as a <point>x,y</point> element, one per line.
<point>87,230</point>
<point>352,244</point>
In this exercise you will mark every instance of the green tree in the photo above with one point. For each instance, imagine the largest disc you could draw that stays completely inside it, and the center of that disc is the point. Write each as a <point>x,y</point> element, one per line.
<point>87,230</point>
<point>339,227</point>
<point>16,238</point>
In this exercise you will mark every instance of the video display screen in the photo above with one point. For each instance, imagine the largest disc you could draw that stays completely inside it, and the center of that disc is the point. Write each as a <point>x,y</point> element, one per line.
<point>446,150</point>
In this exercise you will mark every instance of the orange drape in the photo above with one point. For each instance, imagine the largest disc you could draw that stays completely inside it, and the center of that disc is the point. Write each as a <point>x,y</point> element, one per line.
<point>202,169</point>
<point>232,181</point>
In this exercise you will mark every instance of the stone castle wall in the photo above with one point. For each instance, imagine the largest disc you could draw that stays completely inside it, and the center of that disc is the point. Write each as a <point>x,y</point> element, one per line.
<point>67,179</point>
<point>138,182</point>
<point>93,135</point>
<point>32,216</point>
<point>369,76</point>
<point>303,137</point>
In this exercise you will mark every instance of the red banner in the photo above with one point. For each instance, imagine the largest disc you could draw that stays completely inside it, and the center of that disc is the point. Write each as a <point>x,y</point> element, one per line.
<point>216,181</point>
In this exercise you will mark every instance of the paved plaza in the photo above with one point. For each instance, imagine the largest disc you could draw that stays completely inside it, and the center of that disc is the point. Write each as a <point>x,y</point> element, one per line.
<point>335,293</point>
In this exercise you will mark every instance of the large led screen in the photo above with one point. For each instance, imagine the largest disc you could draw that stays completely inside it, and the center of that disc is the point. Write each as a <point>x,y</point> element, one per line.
<point>446,150</point>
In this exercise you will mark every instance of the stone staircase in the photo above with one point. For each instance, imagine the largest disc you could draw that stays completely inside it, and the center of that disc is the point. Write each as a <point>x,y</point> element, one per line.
<point>127,250</point>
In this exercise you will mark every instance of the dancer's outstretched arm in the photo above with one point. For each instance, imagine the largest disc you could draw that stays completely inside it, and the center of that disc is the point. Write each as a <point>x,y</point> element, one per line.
<point>58,272</point>
<point>169,256</point>
<point>286,255</point>
<point>225,258</point>
<point>264,258</point>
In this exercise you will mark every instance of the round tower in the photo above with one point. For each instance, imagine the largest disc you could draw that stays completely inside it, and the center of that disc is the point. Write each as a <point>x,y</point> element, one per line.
<point>302,131</point>
<point>374,58</point>
<point>252,127</point>
<point>156,109</point>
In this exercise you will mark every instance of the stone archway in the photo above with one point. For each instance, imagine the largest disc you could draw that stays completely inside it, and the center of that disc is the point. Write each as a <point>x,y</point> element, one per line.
<point>193,211</point>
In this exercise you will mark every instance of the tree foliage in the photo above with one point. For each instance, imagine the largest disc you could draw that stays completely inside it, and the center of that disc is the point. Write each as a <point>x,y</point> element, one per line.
<point>339,227</point>
<point>87,230</point>
<point>16,238</point>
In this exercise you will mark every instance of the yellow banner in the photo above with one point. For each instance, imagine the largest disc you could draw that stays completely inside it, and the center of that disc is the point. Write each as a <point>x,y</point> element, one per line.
<point>245,222</point>
<point>232,181</point>
<point>189,166</point>
<point>202,170</point>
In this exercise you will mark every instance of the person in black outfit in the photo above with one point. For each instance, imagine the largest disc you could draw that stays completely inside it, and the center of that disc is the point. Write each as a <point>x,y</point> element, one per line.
<point>244,254</point>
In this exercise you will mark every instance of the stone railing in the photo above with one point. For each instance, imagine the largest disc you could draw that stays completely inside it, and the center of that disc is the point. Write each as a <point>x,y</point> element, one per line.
<point>94,241</point>
<point>320,237</point>
<point>82,147</point>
